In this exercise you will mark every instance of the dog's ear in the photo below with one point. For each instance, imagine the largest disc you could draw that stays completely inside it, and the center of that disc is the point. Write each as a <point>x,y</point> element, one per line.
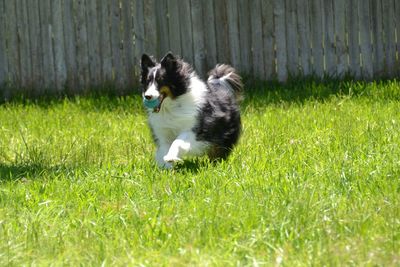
<point>169,62</point>
<point>146,63</point>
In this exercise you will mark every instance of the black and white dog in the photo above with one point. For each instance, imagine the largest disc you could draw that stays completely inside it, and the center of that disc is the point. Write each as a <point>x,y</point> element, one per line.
<point>189,117</point>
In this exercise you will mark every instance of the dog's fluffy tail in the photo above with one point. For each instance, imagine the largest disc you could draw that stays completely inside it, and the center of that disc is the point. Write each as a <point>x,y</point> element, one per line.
<point>227,77</point>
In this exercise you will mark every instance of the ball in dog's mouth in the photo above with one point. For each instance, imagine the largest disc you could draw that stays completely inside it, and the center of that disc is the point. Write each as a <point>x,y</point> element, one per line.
<point>151,103</point>
<point>160,100</point>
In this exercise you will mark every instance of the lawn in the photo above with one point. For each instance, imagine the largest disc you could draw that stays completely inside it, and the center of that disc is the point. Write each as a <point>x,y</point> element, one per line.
<point>315,180</point>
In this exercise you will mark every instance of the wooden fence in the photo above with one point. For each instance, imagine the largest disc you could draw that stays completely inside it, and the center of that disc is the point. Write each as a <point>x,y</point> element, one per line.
<point>78,44</point>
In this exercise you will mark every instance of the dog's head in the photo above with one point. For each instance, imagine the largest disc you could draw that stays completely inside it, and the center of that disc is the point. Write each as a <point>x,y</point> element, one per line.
<point>169,78</point>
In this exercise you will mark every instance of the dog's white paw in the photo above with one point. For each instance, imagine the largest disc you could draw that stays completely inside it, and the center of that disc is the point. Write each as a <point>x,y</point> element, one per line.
<point>171,159</point>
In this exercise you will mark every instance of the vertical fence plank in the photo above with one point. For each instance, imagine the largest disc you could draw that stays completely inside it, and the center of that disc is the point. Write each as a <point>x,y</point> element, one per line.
<point>267,7</point>
<point>397,16</point>
<point>35,46</point>
<point>3,45</point>
<point>150,28</point>
<point>245,36</point>
<point>304,31</point>
<point>389,36</point>
<point>23,43</point>
<point>81,44</point>
<point>162,27</point>
<point>138,27</point>
<point>291,36</point>
<point>365,39</point>
<point>354,48</point>
<point>233,26</point>
<point>105,41</point>
<point>12,43</point>
<point>377,37</point>
<point>174,27</point>
<point>209,33</point>
<point>47,44</point>
<point>317,37</point>
<point>340,40</point>
<point>280,33</point>
<point>256,39</point>
<point>116,43</point>
<point>186,31</point>
<point>58,44</point>
<point>221,26</point>
<point>198,37</point>
<point>93,42</point>
<point>127,19</point>
<point>329,41</point>
<point>69,45</point>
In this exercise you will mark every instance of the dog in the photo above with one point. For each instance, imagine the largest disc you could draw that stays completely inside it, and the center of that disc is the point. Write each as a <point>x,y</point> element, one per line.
<point>187,116</point>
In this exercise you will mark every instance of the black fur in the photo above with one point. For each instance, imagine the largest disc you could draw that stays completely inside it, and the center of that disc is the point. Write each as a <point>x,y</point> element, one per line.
<point>219,119</point>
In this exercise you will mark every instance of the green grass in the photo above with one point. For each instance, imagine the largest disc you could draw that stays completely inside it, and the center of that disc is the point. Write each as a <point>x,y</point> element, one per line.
<point>315,180</point>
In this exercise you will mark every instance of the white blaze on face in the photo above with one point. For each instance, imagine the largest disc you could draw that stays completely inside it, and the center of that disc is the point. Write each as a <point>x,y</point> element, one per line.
<point>151,91</point>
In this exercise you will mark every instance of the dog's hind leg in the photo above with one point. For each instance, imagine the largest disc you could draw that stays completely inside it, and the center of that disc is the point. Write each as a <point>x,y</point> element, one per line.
<point>185,144</point>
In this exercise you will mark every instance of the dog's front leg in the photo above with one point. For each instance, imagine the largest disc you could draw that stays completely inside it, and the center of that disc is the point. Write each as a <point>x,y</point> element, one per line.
<point>161,152</point>
<point>184,144</point>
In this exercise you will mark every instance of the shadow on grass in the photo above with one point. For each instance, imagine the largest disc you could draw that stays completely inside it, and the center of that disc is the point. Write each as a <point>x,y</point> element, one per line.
<point>295,90</point>
<point>27,172</point>
<point>195,165</point>
<point>301,89</point>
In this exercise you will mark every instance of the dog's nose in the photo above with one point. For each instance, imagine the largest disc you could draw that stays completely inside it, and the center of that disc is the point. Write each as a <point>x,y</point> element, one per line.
<point>148,97</point>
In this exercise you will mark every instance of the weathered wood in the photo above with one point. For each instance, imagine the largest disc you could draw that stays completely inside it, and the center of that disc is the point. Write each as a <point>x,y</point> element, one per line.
<point>93,42</point>
<point>397,16</point>
<point>23,43</point>
<point>317,37</point>
<point>174,27</point>
<point>35,46</point>
<point>329,41</point>
<point>353,30</point>
<point>138,27</point>
<point>377,37</point>
<point>47,44</point>
<point>221,29</point>
<point>150,28</point>
<point>389,37</point>
<point>340,40</point>
<point>267,7</point>
<point>129,48</point>
<point>365,39</point>
<point>69,45</point>
<point>292,45</point>
<point>186,31</point>
<point>12,42</point>
<point>81,45</point>
<point>256,39</point>
<point>233,26</point>
<point>105,41</point>
<point>116,46</point>
<point>245,36</point>
<point>162,27</point>
<point>280,29</point>
<point>3,45</point>
<point>209,34</point>
<point>198,38</point>
<point>304,31</point>
<point>58,45</point>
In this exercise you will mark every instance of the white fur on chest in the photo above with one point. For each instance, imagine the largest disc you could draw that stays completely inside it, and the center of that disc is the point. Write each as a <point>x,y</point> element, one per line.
<point>178,115</point>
